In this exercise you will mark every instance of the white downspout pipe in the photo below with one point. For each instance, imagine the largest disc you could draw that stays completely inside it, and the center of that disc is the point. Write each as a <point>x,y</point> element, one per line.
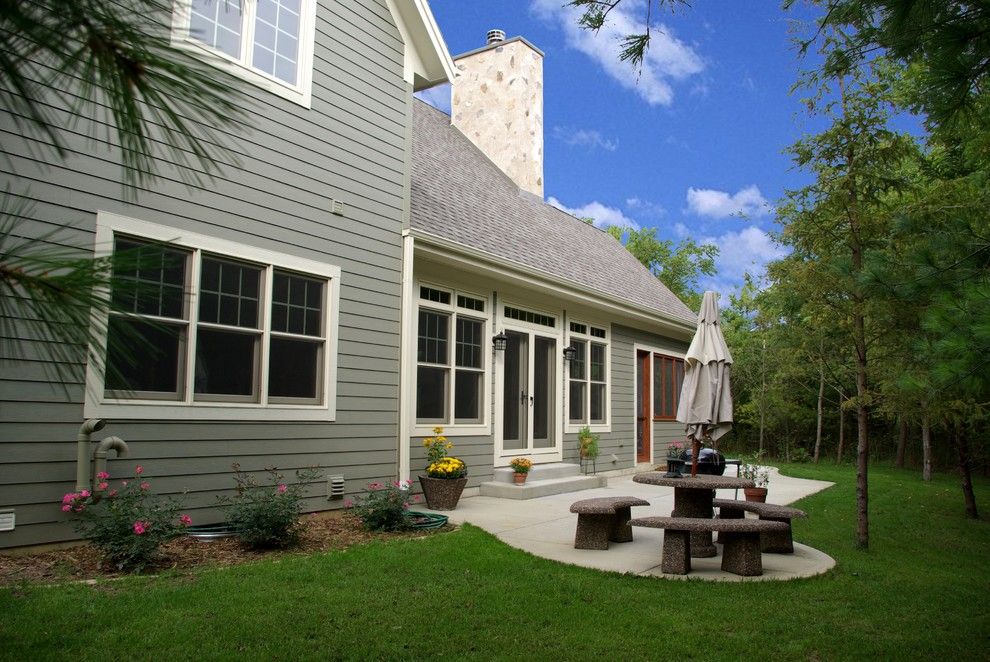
<point>92,425</point>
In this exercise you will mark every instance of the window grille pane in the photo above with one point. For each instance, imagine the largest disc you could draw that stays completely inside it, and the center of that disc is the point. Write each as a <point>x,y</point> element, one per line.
<point>149,279</point>
<point>433,338</point>
<point>579,362</point>
<point>469,343</point>
<point>657,386</point>
<point>579,328</point>
<point>597,362</point>
<point>431,393</point>
<point>229,293</point>
<point>576,397</point>
<point>598,333</point>
<point>432,294</point>
<point>276,39</point>
<point>297,305</point>
<point>217,23</point>
<point>598,403</point>
<point>529,316</point>
<point>470,303</point>
<point>668,387</point>
<point>143,356</point>
<point>225,363</point>
<point>467,396</point>
<point>294,368</point>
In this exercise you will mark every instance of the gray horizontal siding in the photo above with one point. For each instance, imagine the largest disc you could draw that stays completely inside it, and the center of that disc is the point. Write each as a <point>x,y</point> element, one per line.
<point>352,146</point>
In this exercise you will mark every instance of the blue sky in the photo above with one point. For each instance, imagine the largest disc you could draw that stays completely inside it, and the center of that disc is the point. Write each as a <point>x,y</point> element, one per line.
<point>692,144</point>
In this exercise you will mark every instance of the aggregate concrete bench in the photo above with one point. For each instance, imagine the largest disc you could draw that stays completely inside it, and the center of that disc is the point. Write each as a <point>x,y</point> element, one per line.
<point>775,542</point>
<point>741,538</point>
<point>603,519</point>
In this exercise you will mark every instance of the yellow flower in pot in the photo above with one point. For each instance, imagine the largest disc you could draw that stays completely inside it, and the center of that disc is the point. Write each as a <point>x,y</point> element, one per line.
<point>445,476</point>
<point>521,467</point>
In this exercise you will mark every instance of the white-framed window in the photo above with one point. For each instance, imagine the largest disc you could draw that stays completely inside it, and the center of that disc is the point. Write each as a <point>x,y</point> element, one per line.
<point>267,42</point>
<point>204,328</point>
<point>588,383</point>
<point>452,359</point>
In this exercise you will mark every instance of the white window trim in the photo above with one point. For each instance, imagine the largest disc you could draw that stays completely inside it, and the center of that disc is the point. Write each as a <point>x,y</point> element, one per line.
<point>574,428</point>
<point>452,429</point>
<point>98,405</point>
<point>301,93</point>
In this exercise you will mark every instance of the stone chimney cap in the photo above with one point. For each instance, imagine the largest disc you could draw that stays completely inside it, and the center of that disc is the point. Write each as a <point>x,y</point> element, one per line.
<point>494,36</point>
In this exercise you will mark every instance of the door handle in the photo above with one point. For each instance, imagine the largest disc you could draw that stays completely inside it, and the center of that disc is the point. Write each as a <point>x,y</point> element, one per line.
<point>522,397</point>
<point>530,401</point>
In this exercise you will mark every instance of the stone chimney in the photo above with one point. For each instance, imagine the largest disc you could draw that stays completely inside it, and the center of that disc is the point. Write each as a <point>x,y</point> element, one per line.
<point>497,102</point>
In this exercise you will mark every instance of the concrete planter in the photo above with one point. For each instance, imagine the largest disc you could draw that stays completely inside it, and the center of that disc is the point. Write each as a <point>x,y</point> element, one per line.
<point>442,493</point>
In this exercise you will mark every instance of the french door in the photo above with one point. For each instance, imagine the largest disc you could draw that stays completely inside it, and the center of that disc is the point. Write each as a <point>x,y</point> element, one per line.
<point>529,397</point>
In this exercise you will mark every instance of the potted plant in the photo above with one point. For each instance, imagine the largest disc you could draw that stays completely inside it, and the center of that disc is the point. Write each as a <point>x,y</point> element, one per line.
<point>760,475</point>
<point>587,445</point>
<point>445,476</point>
<point>675,457</point>
<point>521,467</point>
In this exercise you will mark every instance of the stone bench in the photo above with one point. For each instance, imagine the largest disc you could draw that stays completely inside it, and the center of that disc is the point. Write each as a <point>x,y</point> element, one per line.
<point>774,542</point>
<point>603,519</point>
<point>741,539</point>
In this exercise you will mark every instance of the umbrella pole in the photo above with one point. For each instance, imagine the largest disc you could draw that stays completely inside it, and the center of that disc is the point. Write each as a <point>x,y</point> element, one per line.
<point>695,450</point>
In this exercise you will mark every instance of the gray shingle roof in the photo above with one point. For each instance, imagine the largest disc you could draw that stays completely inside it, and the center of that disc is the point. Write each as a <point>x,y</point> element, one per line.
<point>459,195</point>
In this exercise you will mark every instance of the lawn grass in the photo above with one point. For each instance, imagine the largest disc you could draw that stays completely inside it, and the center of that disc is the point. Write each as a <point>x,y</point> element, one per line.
<point>920,592</point>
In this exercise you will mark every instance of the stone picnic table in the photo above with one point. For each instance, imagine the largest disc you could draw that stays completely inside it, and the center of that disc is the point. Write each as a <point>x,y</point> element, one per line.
<point>693,497</point>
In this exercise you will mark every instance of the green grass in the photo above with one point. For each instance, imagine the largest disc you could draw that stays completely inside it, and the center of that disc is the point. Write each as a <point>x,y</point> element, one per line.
<point>920,592</point>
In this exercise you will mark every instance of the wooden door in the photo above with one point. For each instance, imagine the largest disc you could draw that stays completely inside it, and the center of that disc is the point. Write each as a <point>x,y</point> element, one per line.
<point>644,417</point>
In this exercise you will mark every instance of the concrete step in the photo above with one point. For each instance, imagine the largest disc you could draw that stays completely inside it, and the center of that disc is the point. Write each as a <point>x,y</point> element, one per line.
<point>540,472</point>
<point>532,489</point>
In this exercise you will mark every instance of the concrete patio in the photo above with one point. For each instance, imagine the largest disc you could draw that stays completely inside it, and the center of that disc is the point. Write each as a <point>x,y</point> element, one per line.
<point>545,527</point>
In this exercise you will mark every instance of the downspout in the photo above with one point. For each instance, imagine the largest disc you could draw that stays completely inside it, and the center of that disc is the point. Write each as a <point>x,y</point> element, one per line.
<point>407,368</point>
<point>100,454</point>
<point>92,425</point>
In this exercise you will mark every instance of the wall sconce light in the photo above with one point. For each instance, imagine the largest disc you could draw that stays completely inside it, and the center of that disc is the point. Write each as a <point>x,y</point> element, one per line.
<point>499,341</point>
<point>570,353</point>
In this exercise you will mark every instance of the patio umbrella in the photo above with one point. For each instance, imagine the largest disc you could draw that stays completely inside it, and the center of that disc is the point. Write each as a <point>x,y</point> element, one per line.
<point>706,400</point>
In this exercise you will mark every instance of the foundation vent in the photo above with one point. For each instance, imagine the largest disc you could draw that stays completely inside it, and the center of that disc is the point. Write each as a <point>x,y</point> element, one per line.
<point>336,207</point>
<point>335,487</point>
<point>7,520</point>
<point>494,36</point>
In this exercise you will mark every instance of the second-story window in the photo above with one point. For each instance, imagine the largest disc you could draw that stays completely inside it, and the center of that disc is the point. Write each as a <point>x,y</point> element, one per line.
<point>271,41</point>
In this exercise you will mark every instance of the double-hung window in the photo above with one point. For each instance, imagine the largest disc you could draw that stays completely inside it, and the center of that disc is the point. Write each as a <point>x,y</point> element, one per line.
<point>588,375</point>
<point>208,326</point>
<point>668,375</point>
<point>267,42</point>
<point>451,363</point>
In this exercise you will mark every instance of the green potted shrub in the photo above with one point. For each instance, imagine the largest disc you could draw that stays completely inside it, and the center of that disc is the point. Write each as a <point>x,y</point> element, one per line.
<point>588,444</point>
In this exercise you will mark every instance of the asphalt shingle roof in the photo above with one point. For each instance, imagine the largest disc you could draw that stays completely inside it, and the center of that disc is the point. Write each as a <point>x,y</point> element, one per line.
<point>459,195</point>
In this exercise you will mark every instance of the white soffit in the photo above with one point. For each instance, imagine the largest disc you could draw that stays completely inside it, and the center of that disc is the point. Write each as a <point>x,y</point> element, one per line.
<point>427,61</point>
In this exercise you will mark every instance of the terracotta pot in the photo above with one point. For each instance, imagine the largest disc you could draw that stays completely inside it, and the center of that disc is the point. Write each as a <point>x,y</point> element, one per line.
<point>519,478</point>
<point>755,494</point>
<point>442,493</point>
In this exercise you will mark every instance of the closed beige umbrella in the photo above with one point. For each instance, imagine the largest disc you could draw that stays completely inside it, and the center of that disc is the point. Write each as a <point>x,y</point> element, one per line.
<point>705,406</point>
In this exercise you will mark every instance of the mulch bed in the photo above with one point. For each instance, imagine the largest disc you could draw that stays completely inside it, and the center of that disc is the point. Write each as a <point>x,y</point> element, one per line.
<point>321,532</point>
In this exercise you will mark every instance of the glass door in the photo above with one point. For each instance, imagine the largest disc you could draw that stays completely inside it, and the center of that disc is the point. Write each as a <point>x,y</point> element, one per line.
<point>529,394</point>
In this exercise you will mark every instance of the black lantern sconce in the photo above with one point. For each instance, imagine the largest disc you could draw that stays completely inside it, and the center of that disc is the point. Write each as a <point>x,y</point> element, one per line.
<point>499,341</point>
<point>570,353</point>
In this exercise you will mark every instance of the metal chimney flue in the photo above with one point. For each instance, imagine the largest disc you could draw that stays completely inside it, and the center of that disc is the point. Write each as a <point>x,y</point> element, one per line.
<point>494,36</point>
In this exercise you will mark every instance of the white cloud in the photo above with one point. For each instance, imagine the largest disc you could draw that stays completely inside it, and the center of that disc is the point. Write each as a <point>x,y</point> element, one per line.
<point>438,97</point>
<point>681,231</point>
<point>602,214</point>
<point>719,204</point>
<point>667,59</point>
<point>645,207</point>
<point>748,250</point>
<point>584,138</point>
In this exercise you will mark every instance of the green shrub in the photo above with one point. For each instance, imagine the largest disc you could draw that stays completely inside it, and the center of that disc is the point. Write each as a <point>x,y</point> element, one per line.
<point>267,516</point>
<point>386,507</point>
<point>800,455</point>
<point>126,523</point>
<point>588,443</point>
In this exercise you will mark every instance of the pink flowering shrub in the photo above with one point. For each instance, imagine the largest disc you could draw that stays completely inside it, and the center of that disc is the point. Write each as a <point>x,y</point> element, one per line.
<point>267,516</point>
<point>128,524</point>
<point>386,507</point>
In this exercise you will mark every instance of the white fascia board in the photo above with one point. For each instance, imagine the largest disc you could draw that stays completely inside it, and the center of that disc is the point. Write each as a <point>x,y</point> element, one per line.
<point>427,60</point>
<point>473,259</point>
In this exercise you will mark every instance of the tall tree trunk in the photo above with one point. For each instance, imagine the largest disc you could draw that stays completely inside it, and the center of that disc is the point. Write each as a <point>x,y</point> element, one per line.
<point>821,412</point>
<point>862,438</point>
<point>962,449</point>
<point>842,431</point>
<point>763,392</point>
<point>901,442</point>
<point>926,448</point>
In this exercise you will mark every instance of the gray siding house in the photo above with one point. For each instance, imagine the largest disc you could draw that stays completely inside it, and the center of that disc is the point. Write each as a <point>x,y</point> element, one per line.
<point>277,314</point>
<point>486,256</point>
